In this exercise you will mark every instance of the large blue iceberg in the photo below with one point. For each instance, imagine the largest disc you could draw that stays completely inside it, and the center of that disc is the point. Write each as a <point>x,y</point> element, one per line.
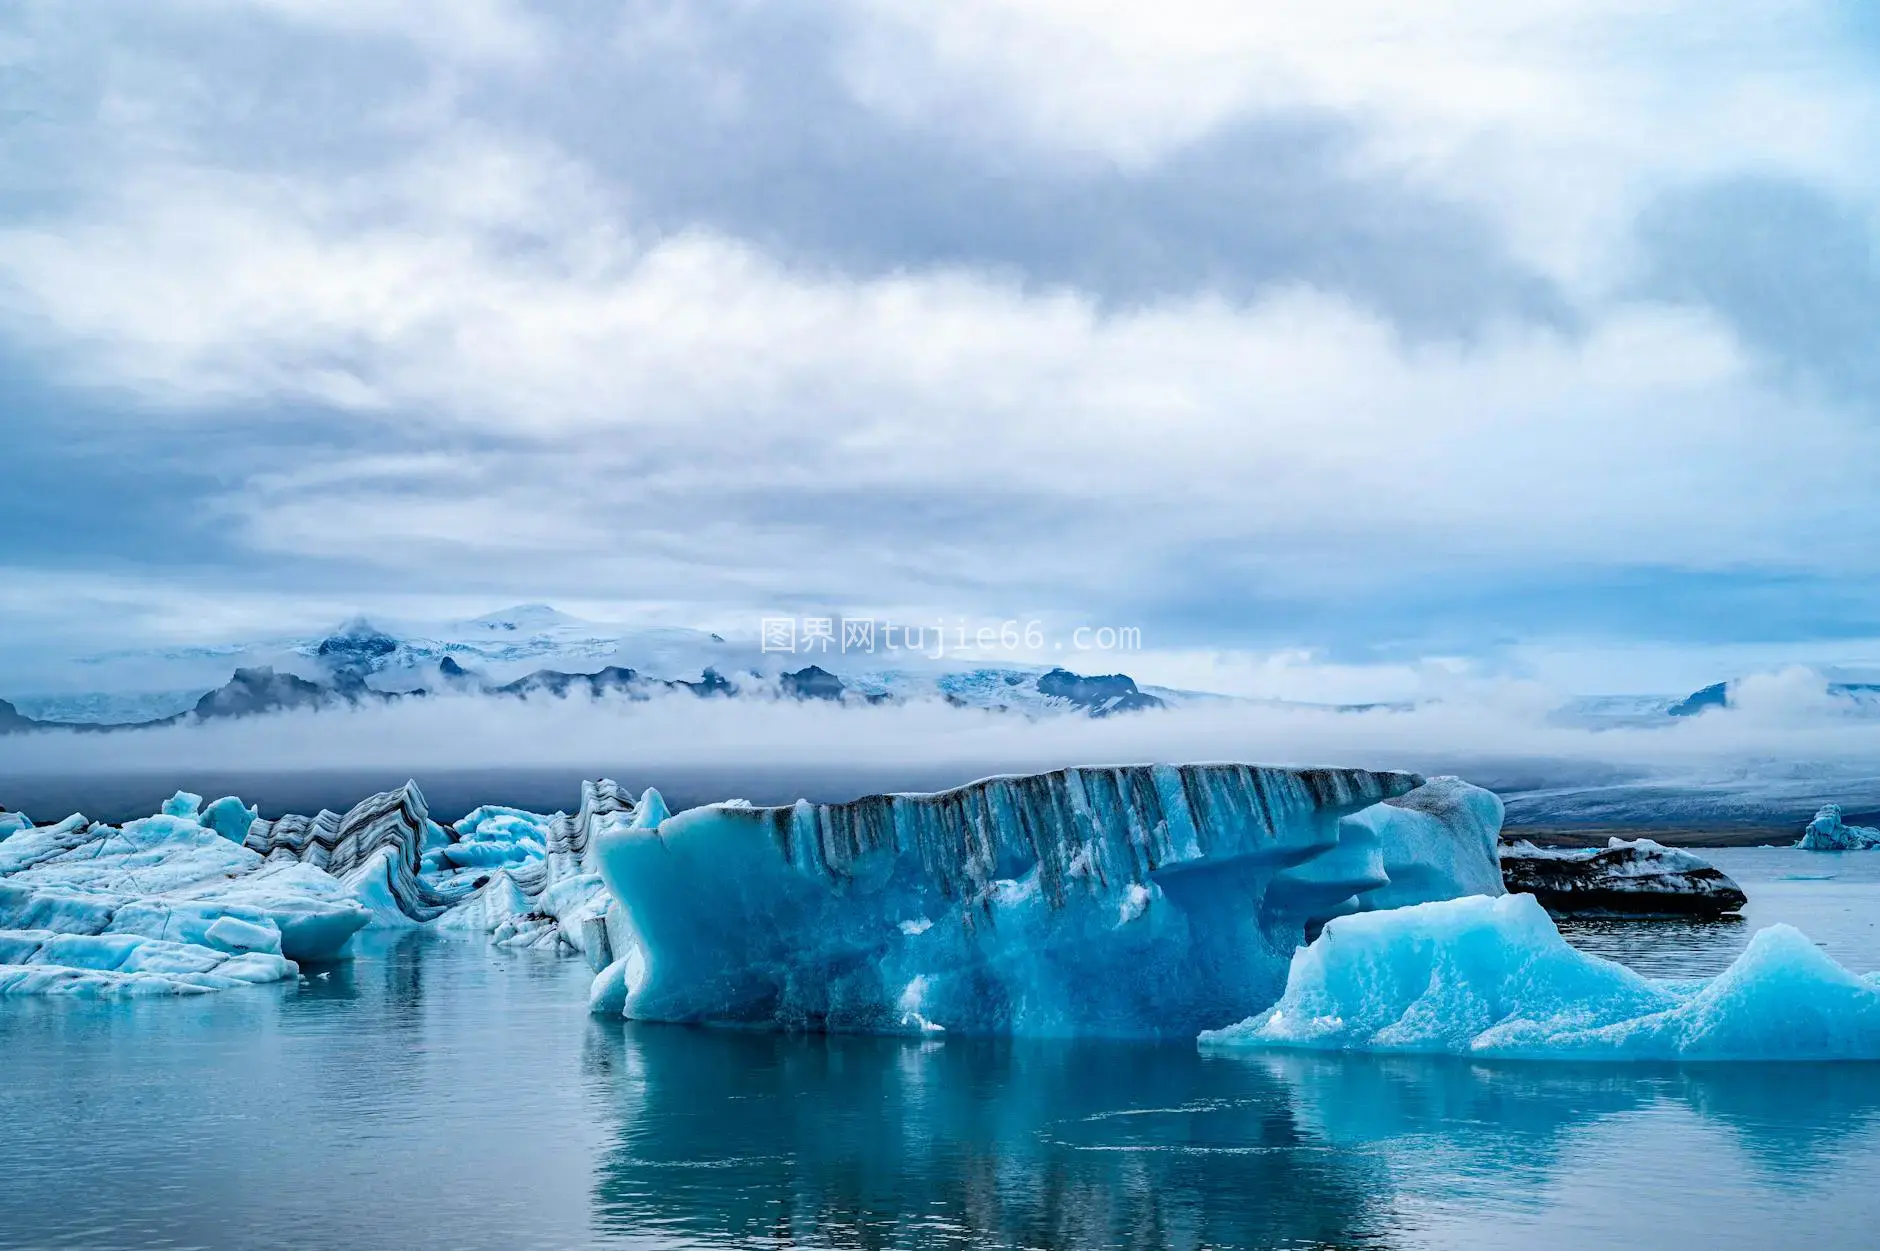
<point>1131,901</point>
<point>1492,977</point>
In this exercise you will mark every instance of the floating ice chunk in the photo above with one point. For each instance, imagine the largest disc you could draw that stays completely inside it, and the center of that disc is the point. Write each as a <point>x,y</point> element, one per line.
<point>29,847</point>
<point>376,885</point>
<point>315,912</point>
<point>182,804</point>
<point>1636,878</point>
<point>536,880</point>
<point>12,823</point>
<point>1827,832</point>
<point>608,995</point>
<point>230,818</point>
<point>164,898</point>
<point>61,910</point>
<point>1492,977</point>
<point>39,962</point>
<point>1131,901</point>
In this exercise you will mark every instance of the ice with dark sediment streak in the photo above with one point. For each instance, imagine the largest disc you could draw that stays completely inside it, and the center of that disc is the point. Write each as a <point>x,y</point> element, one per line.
<point>1493,978</point>
<point>536,881</point>
<point>208,896</point>
<point>1624,878</point>
<point>1146,900</point>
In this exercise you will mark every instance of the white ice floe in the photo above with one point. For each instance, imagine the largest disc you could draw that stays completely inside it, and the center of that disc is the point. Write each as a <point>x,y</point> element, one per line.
<point>203,897</point>
<point>1492,977</point>
<point>161,905</point>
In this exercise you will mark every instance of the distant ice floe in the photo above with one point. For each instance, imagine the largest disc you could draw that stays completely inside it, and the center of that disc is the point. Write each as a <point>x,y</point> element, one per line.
<point>1827,832</point>
<point>1492,977</point>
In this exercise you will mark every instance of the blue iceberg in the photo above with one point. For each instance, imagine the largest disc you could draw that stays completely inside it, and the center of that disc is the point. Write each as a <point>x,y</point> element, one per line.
<point>1135,901</point>
<point>1492,977</point>
<point>204,897</point>
<point>164,905</point>
<point>1828,832</point>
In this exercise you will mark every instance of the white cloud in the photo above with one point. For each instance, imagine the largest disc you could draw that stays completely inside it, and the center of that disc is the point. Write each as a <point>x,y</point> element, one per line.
<point>1558,116</point>
<point>474,31</point>
<point>680,414</point>
<point>1299,424</point>
<point>1487,730</point>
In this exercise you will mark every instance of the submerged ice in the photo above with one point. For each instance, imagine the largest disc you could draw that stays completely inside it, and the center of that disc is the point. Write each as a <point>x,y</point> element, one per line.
<point>1131,901</point>
<point>1492,977</point>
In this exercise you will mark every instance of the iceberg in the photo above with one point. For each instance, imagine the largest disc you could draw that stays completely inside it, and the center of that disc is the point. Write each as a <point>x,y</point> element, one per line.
<point>1638,878</point>
<point>1492,977</point>
<point>1827,832</point>
<point>163,905</point>
<point>1134,901</point>
<point>215,883</point>
<point>536,878</point>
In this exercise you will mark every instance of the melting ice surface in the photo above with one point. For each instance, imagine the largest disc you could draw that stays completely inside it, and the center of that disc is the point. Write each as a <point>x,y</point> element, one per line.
<point>1492,977</point>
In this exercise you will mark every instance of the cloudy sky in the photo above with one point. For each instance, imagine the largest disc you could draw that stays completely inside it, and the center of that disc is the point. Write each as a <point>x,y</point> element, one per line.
<point>1538,336</point>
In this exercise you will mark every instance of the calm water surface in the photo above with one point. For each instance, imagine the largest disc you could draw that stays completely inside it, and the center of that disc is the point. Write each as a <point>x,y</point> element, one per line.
<point>440,1094</point>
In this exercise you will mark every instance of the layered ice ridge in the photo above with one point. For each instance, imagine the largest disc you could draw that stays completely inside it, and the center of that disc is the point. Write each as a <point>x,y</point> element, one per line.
<point>534,878</point>
<point>1142,900</point>
<point>1493,978</point>
<point>375,848</point>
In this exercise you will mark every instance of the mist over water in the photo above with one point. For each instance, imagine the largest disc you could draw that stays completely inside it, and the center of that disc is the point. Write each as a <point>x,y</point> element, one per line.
<point>1780,752</point>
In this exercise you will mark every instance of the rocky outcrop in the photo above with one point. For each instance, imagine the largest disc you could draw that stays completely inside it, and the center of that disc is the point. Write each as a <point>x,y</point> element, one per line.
<point>12,721</point>
<point>1638,878</point>
<point>1100,695</point>
<point>613,680</point>
<point>259,690</point>
<point>811,682</point>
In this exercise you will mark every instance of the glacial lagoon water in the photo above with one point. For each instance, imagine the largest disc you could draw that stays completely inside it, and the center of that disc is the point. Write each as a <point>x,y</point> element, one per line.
<point>437,1093</point>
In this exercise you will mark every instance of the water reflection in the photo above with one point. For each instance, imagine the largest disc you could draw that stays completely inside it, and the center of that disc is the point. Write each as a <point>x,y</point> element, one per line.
<point>442,1094</point>
<point>745,1139</point>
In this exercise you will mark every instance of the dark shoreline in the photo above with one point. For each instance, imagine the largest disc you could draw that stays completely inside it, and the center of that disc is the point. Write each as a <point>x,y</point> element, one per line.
<point>1669,836</point>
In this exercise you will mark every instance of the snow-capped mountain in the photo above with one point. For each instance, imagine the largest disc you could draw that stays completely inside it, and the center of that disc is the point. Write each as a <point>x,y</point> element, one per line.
<point>534,650</point>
